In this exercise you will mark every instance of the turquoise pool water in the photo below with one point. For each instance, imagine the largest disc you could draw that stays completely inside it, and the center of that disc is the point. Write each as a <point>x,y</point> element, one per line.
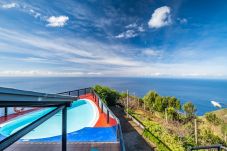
<point>83,113</point>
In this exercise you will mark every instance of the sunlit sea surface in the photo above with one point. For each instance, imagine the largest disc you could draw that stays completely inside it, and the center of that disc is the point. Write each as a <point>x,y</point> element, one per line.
<point>198,91</point>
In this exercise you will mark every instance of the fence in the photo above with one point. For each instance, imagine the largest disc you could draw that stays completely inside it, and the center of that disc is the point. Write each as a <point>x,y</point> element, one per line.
<point>18,98</point>
<point>103,107</point>
<point>218,147</point>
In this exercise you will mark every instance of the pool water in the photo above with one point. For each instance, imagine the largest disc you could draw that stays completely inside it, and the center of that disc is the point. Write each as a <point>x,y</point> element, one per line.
<point>83,113</point>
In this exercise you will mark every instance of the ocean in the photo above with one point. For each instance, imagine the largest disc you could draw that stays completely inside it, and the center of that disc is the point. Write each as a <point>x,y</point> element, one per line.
<point>198,91</point>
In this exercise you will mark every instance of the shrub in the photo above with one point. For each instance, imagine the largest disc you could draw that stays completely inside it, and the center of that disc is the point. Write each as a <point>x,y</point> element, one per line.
<point>189,109</point>
<point>213,119</point>
<point>108,95</point>
<point>149,99</point>
<point>172,113</point>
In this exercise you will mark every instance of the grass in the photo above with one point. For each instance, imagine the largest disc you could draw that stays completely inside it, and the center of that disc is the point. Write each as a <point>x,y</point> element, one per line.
<point>158,134</point>
<point>219,130</point>
<point>174,135</point>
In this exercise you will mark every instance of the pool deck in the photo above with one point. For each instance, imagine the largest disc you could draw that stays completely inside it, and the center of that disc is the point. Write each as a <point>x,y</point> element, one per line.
<point>106,146</point>
<point>102,122</point>
<point>4,119</point>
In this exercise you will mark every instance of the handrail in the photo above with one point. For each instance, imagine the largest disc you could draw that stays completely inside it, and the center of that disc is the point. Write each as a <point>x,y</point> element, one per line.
<point>119,131</point>
<point>33,99</point>
<point>17,135</point>
<point>103,105</point>
<point>219,147</point>
<point>14,98</point>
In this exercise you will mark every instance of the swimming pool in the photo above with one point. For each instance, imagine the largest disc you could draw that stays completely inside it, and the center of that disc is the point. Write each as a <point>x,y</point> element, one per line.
<point>83,113</point>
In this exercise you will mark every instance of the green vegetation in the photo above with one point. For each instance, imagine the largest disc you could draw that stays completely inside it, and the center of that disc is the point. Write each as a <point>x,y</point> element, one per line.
<point>213,119</point>
<point>153,101</point>
<point>108,95</point>
<point>178,134</point>
<point>189,109</point>
<point>156,133</point>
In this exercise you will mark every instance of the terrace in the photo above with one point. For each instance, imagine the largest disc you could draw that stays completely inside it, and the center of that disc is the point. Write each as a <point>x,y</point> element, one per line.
<point>73,120</point>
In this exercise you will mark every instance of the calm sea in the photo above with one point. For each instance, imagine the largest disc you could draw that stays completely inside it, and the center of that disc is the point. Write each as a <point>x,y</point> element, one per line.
<point>200,92</point>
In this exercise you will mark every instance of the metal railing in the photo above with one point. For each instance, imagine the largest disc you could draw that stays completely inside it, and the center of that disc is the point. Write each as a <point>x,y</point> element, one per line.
<point>218,147</point>
<point>103,108</point>
<point>19,98</point>
<point>109,112</point>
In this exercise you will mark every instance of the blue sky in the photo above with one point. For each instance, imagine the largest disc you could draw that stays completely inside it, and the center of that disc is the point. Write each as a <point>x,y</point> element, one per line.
<point>161,38</point>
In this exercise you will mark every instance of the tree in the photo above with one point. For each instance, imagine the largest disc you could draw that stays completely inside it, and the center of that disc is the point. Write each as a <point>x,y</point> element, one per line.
<point>149,99</point>
<point>172,113</point>
<point>160,103</point>
<point>174,102</point>
<point>108,95</point>
<point>189,109</point>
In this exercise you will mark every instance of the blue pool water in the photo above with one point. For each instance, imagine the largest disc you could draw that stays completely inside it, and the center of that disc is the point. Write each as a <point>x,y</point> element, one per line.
<point>82,113</point>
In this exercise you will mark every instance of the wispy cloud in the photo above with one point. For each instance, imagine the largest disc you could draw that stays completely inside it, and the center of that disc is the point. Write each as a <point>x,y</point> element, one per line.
<point>133,30</point>
<point>9,5</point>
<point>151,52</point>
<point>161,17</point>
<point>127,34</point>
<point>93,43</point>
<point>182,20</point>
<point>58,21</point>
<point>84,57</point>
<point>38,73</point>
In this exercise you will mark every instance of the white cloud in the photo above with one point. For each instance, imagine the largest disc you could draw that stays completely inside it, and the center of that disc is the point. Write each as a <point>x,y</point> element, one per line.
<point>59,21</point>
<point>8,6</point>
<point>141,29</point>
<point>182,20</point>
<point>66,56</point>
<point>34,13</point>
<point>127,34</point>
<point>133,30</point>
<point>42,73</point>
<point>151,52</point>
<point>161,17</point>
<point>133,25</point>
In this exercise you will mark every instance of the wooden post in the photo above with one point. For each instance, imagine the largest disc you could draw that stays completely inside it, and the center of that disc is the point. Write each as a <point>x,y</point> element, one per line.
<point>225,137</point>
<point>127,103</point>
<point>166,115</point>
<point>134,96</point>
<point>138,102</point>
<point>196,133</point>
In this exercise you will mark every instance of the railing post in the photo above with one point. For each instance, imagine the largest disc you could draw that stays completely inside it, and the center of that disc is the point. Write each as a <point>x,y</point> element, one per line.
<point>219,148</point>
<point>6,111</point>
<point>102,107</point>
<point>108,117</point>
<point>69,92</point>
<point>64,129</point>
<point>98,101</point>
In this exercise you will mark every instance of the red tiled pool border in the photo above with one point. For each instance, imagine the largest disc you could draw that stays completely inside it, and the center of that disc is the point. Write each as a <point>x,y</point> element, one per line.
<point>102,120</point>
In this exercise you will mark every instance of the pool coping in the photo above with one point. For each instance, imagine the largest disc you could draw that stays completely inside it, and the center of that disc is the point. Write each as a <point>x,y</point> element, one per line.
<point>95,109</point>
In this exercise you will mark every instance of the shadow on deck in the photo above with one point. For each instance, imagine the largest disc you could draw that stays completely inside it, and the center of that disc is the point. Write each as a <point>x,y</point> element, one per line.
<point>131,133</point>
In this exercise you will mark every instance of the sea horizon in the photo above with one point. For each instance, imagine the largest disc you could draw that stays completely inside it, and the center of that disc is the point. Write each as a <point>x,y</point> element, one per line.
<point>198,91</point>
